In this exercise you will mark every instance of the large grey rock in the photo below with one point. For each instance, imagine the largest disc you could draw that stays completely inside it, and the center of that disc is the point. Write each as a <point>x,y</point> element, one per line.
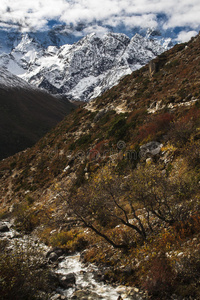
<point>150,149</point>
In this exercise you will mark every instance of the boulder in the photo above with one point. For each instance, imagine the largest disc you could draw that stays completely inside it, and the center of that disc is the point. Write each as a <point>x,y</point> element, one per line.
<point>55,252</point>
<point>53,257</point>
<point>67,281</point>
<point>4,227</point>
<point>150,149</point>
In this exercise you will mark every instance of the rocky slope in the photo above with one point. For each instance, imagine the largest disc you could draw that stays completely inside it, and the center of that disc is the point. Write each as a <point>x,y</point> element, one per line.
<point>128,159</point>
<point>83,70</point>
<point>171,85</point>
<point>26,114</point>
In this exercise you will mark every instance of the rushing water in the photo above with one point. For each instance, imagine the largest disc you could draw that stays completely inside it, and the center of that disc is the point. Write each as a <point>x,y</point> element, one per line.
<point>85,280</point>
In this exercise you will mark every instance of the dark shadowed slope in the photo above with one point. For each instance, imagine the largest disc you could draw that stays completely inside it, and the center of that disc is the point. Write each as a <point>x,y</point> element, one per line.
<point>26,114</point>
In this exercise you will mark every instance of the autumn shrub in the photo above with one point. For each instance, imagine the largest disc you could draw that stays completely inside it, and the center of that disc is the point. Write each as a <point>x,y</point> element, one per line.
<point>182,130</point>
<point>192,154</point>
<point>160,277</point>
<point>72,240</point>
<point>27,218</point>
<point>186,284</point>
<point>159,125</point>
<point>187,228</point>
<point>22,273</point>
<point>99,151</point>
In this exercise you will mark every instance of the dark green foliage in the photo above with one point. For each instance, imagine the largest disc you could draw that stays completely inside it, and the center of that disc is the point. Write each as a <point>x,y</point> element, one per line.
<point>106,118</point>
<point>172,64</point>
<point>118,128</point>
<point>84,139</point>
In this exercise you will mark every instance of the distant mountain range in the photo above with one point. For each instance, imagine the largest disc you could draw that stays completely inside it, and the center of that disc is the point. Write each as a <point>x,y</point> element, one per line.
<point>80,71</point>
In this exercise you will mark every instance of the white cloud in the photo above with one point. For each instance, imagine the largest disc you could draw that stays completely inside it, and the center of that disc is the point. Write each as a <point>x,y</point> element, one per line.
<point>99,30</point>
<point>185,36</point>
<point>36,14</point>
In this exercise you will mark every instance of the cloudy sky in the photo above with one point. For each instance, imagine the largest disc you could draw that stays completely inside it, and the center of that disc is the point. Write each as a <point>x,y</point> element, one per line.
<point>36,14</point>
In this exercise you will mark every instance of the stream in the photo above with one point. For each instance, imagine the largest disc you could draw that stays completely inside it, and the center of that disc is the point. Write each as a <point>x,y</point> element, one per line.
<point>83,285</point>
<point>87,287</point>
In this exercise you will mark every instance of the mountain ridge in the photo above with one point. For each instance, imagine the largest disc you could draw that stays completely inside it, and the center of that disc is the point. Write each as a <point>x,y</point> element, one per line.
<point>83,70</point>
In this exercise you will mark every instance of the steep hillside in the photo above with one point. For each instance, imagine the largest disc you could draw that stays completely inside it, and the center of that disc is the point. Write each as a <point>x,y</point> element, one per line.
<point>126,167</point>
<point>26,114</point>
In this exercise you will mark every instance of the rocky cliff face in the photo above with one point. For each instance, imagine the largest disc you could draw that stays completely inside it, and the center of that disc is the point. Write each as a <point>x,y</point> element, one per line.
<point>83,70</point>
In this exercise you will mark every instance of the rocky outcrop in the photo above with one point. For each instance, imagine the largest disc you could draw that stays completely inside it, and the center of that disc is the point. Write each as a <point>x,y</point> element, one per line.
<point>150,149</point>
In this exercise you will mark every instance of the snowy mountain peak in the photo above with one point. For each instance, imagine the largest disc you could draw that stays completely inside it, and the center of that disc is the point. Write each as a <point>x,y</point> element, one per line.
<point>83,70</point>
<point>8,80</point>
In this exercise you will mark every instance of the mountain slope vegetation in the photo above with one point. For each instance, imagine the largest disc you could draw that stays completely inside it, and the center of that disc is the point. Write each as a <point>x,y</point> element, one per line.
<point>126,167</point>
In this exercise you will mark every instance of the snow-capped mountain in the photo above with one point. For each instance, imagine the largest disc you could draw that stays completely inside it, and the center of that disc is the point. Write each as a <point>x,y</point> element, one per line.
<point>9,81</point>
<point>83,70</point>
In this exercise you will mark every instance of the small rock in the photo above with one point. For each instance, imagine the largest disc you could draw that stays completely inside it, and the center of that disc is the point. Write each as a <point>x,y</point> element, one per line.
<point>53,257</point>
<point>58,251</point>
<point>85,295</point>
<point>61,258</point>
<point>149,160</point>
<point>163,172</point>
<point>56,297</point>
<point>68,280</point>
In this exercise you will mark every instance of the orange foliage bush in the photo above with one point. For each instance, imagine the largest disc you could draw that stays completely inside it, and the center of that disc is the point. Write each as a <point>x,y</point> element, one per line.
<point>160,277</point>
<point>160,123</point>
